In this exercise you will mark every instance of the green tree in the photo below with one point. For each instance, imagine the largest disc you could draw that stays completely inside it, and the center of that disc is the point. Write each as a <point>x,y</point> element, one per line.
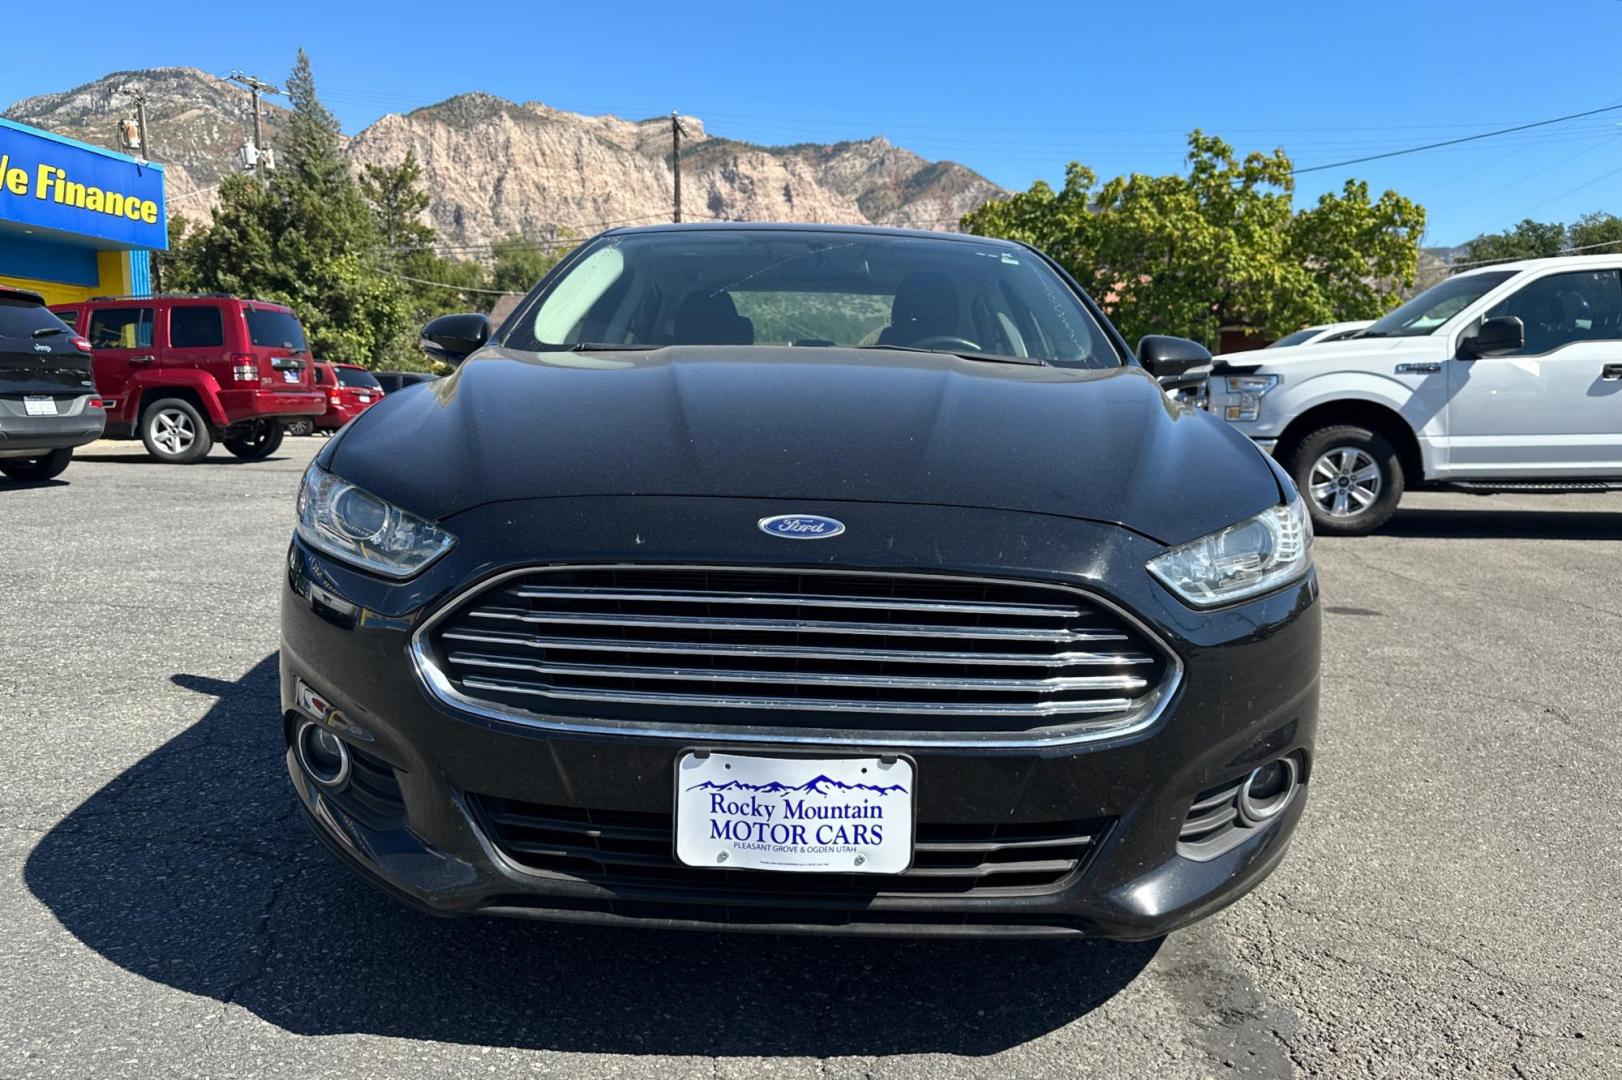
<point>517,263</point>
<point>305,237</point>
<point>431,283</point>
<point>1599,233</point>
<point>1220,246</point>
<point>1528,240</point>
<point>398,203</point>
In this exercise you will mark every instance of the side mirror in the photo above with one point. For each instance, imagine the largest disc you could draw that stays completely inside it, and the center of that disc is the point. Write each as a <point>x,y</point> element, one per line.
<point>1178,363</point>
<point>451,338</point>
<point>1494,337</point>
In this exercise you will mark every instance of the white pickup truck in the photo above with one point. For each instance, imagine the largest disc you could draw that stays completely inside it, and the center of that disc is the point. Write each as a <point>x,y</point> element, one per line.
<point>1503,378</point>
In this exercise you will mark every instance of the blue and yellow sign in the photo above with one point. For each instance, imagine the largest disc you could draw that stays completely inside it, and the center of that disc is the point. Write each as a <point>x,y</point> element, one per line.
<point>50,182</point>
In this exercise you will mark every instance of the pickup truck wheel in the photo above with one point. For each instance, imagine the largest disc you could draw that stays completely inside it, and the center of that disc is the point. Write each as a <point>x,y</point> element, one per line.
<point>175,432</point>
<point>261,441</point>
<point>45,467</point>
<point>1350,477</point>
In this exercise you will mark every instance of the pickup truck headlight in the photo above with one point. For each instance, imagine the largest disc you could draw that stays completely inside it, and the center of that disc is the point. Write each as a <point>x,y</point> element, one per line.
<point>1255,556</point>
<point>357,527</point>
<point>1249,389</point>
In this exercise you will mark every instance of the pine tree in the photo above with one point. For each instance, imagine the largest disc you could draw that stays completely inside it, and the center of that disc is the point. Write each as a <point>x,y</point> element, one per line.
<point>305,237</point>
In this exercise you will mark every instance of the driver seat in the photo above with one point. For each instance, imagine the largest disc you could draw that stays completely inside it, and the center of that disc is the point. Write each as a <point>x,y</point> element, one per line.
<point>925,306</point>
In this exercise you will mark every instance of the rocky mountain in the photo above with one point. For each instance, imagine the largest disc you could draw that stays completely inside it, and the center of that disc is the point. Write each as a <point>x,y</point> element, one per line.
<point>196,123</point>
<point>494,168</point>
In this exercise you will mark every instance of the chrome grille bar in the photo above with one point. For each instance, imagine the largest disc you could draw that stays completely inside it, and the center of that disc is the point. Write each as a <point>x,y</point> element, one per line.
<point>732,701</point>
<point>875,603</point>
<point>793,626</point>
<point>803,678</point>
<point>802,652</point>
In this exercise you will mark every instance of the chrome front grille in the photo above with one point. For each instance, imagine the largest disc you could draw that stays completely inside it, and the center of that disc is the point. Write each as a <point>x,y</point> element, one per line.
<point>1015,655</point>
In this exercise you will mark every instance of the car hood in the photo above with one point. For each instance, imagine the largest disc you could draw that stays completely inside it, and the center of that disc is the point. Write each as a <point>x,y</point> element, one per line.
<point>793,427</point>
<point>1351,353</point>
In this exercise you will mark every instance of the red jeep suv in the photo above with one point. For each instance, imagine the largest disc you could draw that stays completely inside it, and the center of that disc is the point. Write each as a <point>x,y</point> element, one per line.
<point>178,372</point>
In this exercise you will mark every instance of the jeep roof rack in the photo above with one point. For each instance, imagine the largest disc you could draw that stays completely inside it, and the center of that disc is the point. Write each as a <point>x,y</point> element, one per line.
<point>174,296</point>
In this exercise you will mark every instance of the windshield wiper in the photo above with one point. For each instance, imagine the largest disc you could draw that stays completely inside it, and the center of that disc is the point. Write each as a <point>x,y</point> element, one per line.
<point>610,346</point>
<point>990,358</point>
<point>47,331</point>
<point>1371,334</point>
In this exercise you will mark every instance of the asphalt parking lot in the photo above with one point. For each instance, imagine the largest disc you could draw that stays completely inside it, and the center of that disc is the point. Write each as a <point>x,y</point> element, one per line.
<point>1452,905</point>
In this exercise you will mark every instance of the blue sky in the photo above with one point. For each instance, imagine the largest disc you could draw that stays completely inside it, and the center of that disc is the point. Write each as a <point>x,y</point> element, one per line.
<point>1013,90</point>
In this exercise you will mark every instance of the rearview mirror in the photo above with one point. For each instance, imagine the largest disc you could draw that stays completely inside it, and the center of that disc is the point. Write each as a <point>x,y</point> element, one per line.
<point>1177,363</point>
<point>1494,337</point>
<point>451,338</point>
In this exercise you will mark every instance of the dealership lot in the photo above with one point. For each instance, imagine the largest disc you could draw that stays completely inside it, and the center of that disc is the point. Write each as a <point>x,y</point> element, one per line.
<point>1453,901</point>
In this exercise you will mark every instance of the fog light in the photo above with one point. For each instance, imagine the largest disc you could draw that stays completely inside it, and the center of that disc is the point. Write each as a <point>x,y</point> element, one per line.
<point>323,755</point>
<point>1268,790</point>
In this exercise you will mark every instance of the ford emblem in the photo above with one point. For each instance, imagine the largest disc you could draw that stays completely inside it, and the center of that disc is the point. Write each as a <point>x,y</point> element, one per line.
<point>801,526</point>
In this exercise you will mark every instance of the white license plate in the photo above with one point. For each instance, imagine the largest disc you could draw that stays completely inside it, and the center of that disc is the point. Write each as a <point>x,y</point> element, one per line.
<point>806,815</point>
<point>39,405</point>
<point>366,399</point>
<point>290,376</point>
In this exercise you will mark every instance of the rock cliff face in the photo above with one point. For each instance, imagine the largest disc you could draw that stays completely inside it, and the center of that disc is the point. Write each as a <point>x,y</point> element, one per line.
<point>196,123</point>
<point>494,168</point>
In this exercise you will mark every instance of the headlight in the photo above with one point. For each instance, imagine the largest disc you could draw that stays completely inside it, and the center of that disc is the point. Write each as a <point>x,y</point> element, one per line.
<point>358,527</point>
<point>1249,389</point>
<point>1256,556</point>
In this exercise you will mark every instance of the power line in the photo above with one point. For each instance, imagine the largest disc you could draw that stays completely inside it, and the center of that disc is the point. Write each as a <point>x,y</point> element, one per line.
<point>1573,191</point>
<point>1454,142</point>
<point>1452,266</point>
<point>441,284</point>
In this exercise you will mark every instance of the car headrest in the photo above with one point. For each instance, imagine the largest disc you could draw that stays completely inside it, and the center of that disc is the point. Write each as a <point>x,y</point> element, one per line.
<point>711,318</point>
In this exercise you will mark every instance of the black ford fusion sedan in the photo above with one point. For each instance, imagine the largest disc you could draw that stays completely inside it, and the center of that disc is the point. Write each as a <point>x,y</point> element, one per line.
<point>803,579</point>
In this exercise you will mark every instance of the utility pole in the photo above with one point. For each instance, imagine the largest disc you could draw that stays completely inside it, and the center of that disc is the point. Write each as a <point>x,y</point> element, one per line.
<point>253,159</point>
<point>676,133</point>
<point>153,268</point>
<point>140,125</point>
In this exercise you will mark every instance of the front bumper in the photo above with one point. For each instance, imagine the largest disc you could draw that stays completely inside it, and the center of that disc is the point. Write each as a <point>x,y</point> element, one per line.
<point>22,435</point>
<point>1249,694</point>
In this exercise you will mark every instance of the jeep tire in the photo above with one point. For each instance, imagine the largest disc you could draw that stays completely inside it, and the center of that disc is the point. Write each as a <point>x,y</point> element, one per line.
<point>175,432</point>
<point>256,441</point>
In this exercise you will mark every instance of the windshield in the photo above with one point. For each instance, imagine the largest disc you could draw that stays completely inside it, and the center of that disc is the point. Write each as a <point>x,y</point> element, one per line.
<point>348,376</point>
<point>275,330</point>
<point>814,290</point>
<point>1436,305</point>
<point>1296,338</point>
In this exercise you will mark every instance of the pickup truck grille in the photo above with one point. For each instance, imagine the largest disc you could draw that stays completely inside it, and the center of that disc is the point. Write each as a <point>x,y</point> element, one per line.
<point>803,641</point>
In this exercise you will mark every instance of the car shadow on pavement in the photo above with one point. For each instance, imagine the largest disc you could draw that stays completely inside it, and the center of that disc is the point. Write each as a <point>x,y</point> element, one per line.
<point>1490,524</point>
<point>217,457</point>
<point>194,869</point>
<point>8,484</point>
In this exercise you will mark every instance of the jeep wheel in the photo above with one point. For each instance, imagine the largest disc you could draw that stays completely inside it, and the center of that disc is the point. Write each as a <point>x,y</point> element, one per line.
<point>260,441</point>
<point>45,467</point>
<point>1350,477</point>
<point>302,426</point>
<point>175,432</point>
